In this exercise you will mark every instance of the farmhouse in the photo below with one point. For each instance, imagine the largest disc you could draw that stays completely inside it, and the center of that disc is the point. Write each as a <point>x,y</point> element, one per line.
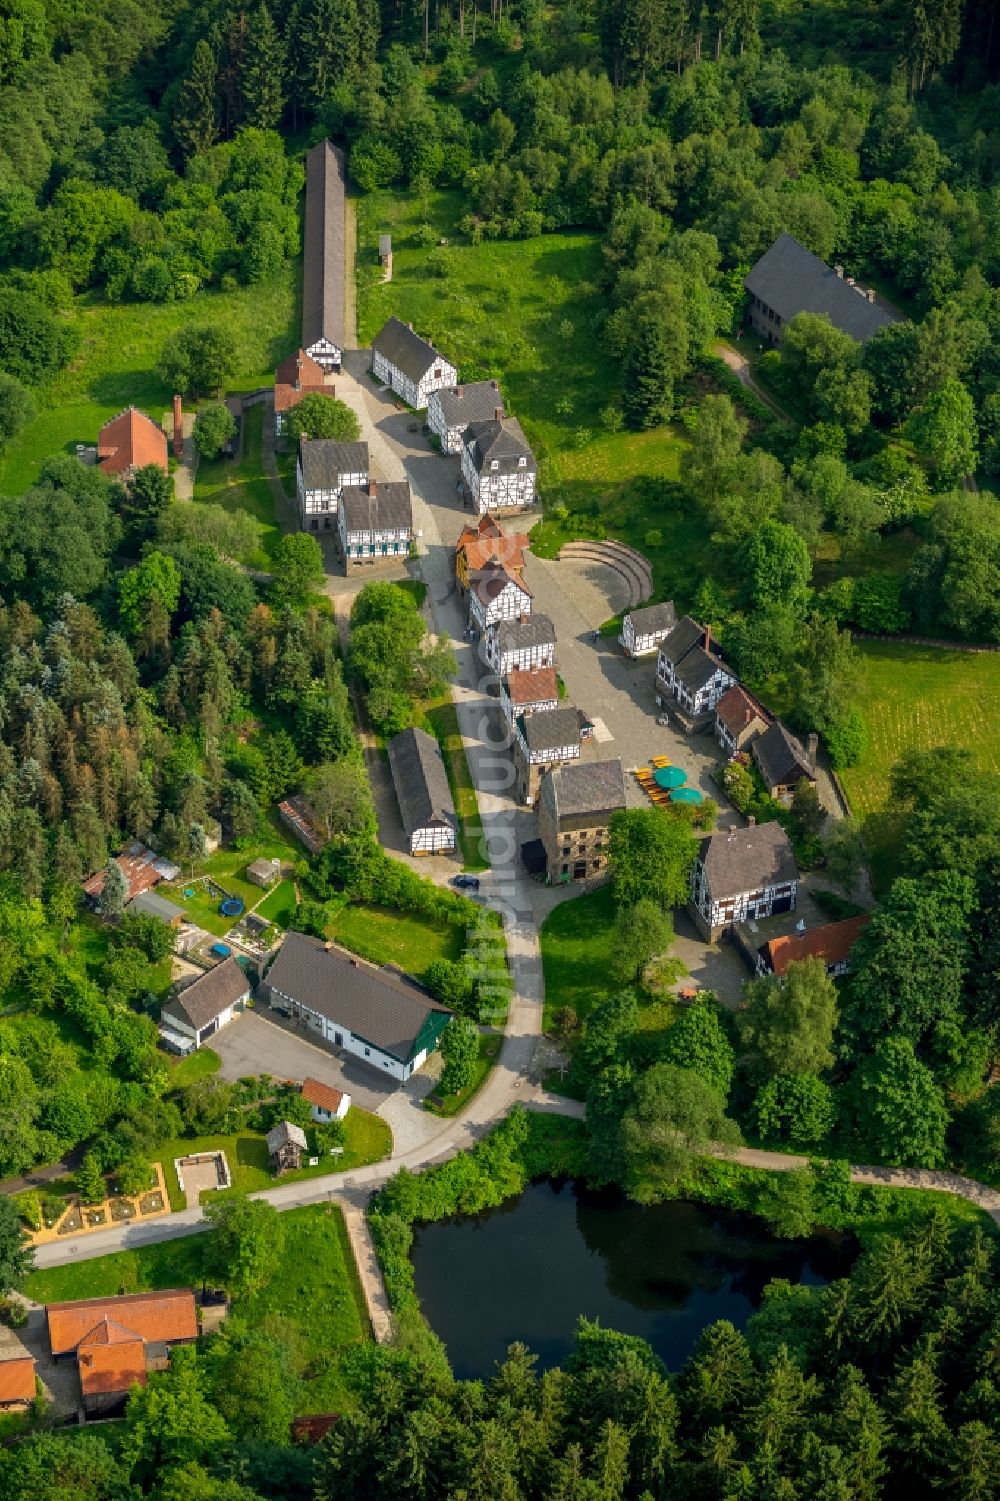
<point>142,868</point>
<point>528,642</point>
<point>483,544</point>
<point>328,1104</point>
<point>450,411</point>
<point>324,307</point>
<point>286,1143</point>
<point>783,762</point>
<point>294,378</point>
<point>17,1382</point>
<point>497,593</point>
<point>206,1005</point>
<point>788,279</point>
<point>575,804</point>
<point>323,470</point>
<point>117,1341</point>
<point>542,741</point>
<point>151,904</point>
<point>643,630</point>
<point>375,521</point>
<point>499,470</point>
<point>379,1017</point>
<point>423,793</point>
<point>409,365</point>
<point>529,690</point>
<point>690,680</point>
<point>739,719</point>
<point>742,874</point>
<point>832,942</point>
<point>129,442</point>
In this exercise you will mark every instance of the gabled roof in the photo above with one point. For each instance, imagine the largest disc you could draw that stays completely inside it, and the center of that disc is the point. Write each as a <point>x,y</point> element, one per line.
<point>550,729</point>
<point>420,780</point>
<point>131,441</point>
<point>583,787</point>
<point>489,582</point>
<point>832,942</point>
<point>501,443</point>
<point>323,304</point>
<point>790,279</point>
<point>17,1379</point>
<point>111,1366</point>
<point>315,1092</point>
<point>516,635</point>
<point>477,402</point>
<point>653,619</point>
<point>406,350</point>
<point>747,859</point>
<point>286,1134</point>
<point>737,708</point>
<point>325,462</point>
<point>381,1007</point>
<point>781,757</point>
<point>299,370</point>
<point>487,542</point>
<point>208,996</point>
<point>142,868</point>
<point>151,904</point>
<point>154,1317</point>
<point>684,635</point>
<point>697,667</point>
<point>382,507</point>
<point>531,685</point>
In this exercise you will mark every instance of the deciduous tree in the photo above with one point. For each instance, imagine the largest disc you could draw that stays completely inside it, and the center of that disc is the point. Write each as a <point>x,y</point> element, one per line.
<point>787,1024</point>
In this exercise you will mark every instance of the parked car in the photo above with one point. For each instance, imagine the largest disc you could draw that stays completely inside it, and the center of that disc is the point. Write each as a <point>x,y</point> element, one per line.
<point>465,883</point>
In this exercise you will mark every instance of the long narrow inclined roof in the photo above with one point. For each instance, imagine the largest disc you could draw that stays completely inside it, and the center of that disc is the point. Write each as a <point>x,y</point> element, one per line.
<point>397,343</point>
<point>684,635</point>
<point>323,298</point>
<point>501,443</point>
<point>477,402</point>
<point>131,441</point>
<point>832,942</point>
<point>747,860</point>
<point>325,462</point>
<point>791,280</point>
<point>154,1317</point>
<point>421,781</point>
<point>209,996</point>
<point>385,507</point>
<point>151,904</point>
<point>581,787</point>
<point>653,618</point>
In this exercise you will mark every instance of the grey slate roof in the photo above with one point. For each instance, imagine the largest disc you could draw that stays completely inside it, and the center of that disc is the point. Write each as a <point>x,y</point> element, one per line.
<point>420,779</point>
<point>397,343</point>
<point>285,1134</point>
<point>515,635</point>
<point>583,787</point>
<point>323,312</point>
<point>477,402</point>
<point>380,1007</point>
<point>207,997</point>
<point>385,507</point>
<point>697,667</point>
<point>550,729</point>
<point>790,279</point>
<point>151,904</point>
<point>651,620</point>
<point>685,634</point>
<point>324,461</point>
<point>502,443</point>
<point>781,757</point>
<point>747,859</point>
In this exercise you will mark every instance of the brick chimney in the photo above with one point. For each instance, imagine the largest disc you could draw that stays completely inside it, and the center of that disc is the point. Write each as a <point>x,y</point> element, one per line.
<point>178,428</point>
<point>708,638</point>
<point>812,749</point>
<point>498,413</point>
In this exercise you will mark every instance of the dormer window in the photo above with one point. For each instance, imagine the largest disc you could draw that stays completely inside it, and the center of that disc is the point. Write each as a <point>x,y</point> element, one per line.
<point>494,464</point>
<point>522,462</point>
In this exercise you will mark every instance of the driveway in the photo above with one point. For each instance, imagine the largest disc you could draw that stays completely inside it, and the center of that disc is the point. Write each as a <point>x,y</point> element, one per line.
<point>255,1045</point>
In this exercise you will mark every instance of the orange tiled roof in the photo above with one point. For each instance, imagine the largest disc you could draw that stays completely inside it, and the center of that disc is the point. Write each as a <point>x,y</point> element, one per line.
<point>165,1316</point>
<point>832,943</point>
<point>487,543</point>
<point>299,370</point>
<point>313,1427</point>
<point>110,1358</point>
<point>736,708</point>
<point>130,441</point>
<point>532,685</point>
<point>17,1379</point>
<point>323,1095</point>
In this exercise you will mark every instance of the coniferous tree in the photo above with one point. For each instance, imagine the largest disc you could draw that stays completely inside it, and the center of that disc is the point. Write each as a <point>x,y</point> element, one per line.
<point>196,117</point>
<point>264,70</point>
<point>648,397</point>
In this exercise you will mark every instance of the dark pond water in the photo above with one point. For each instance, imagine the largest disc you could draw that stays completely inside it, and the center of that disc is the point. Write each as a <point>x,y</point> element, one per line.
<point>528,1270</point>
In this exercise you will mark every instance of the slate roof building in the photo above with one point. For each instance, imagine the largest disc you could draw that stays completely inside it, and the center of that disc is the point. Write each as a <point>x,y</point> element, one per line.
<point>739,719</point>
<point>298,376</point>
<point>690,678</point>
<point>783,761</point>
<point>788,279</point>
<point>832,942</point>
<point>499,470</point>
<point>541,741</point>
<point>423,793</point>
<point>116,1341</point>
<point>742,874</point>
<point>129,442</point>
<point>497,593</point>
<point>375,521</point>
<point>323,470</point>
<point>375,1015</point>
<point>207,1005</point>
<point>451,410</point>
<point>575,804</point>
<point>409,365</point>
<point>643,630</point>
<point>528,642</point>
<point>323,290</point>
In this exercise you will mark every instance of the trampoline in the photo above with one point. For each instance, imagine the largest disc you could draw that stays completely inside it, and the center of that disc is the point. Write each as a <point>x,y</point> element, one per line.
<point>669,777</point>
<point>221,950</point>
<point>231,907</point>
<point>686,795</point>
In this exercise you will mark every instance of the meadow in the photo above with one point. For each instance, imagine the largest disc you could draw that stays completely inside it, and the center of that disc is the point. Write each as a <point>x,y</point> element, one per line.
<point>240,485</point>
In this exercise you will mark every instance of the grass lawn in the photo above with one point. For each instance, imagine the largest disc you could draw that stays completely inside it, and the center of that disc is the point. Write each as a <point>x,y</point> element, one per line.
<point>279,904</point>
<point>242,487</point>
<point>227,867</point>
<point>400,938</point>
<point>197,1065</point>
<point>116,365</point>
<point>490,1044</point>
<point>174,1263</point>
<point>575,938</point>
<point>442,722</point>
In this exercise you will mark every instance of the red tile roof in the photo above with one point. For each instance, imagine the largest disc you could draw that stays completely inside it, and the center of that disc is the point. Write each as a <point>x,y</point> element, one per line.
<point>323,1095</point>
<point>487,543</point>
<point>110,1358</point>
<point>313,1427</point>
<point>299,370</point>
<point>17,1379</point>
<point>158,1317</point>
<point>142,869</point>
<point>832,943</point>
<point>130,441</point>
<point>533,685</point>
<point>736,708</point>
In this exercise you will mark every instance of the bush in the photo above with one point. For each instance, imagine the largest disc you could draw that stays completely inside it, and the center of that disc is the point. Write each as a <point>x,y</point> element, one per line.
<point>795,1110</point>
<point>847,739</point>
<point>214,427</point>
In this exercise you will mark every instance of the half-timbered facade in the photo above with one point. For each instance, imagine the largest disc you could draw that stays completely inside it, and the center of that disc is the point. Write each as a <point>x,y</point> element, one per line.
<point>298,376</point>
<point>450,411</point>
<point>375,522</point>
<point>643,630</point>
<point>528,642</point>
<point>499,470</point>
<point>690,679</point>
<point>496,593</point>
<point>529,691</point>
<point>324,306</point>
<point>742,874</point>
<point>409,365</point>
<point>575,804</point>
<point>739,719</point>
<point>541,741</point>
<point>422,791</point>
<point>323,471</point>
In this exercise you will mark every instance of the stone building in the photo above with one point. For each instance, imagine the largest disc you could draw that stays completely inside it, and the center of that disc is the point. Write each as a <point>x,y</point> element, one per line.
<point>575,804</point>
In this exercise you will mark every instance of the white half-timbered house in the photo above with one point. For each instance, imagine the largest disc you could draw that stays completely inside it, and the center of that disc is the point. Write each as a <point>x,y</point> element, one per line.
<point>529,691</point>
<point>690,679</point>
<point>742,874</point>
<point>496,593</point>
<point>409,365</point>
<point>423,793</point>
<point>323,470</point>
<point>375,522</point>
<point>499,470</point>
<point>529,642</point>
<point>643,630</point>
<point>324,306</point>
<point>450,411</point>
<point>544,740</point>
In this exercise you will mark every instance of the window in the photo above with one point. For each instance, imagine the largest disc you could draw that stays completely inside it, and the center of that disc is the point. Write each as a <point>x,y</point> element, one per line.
<point>522,462</point>
<point>368,1052</point>
<point>494,464</point>
<point>437,372</point>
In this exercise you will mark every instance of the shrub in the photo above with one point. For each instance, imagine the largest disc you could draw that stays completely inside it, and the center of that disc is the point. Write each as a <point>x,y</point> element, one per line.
<point>847,739</point>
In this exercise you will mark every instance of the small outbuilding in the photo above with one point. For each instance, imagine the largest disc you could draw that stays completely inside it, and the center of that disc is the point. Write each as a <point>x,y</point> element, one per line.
<point>783,761</point>
<point>643,630</point>
<point>264,872</point>
<point>151,904</point>
<point>285,1146</point>
<point>328,1104</point>
<point>17,1382</point>
<point>207,1004</point>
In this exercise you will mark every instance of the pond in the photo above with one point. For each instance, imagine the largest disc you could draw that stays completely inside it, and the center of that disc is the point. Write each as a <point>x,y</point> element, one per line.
<point>528,1270</point>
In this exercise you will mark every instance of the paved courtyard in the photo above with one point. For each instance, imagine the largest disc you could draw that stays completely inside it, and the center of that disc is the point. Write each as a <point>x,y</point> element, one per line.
<point>255,1045</point>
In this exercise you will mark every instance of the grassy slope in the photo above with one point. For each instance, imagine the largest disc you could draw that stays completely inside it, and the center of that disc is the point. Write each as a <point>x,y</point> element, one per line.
<point>490,1044</point>
<point>575,938</point>
<point>384,937</point>
<point>442,722</point>
<point>242,486</point>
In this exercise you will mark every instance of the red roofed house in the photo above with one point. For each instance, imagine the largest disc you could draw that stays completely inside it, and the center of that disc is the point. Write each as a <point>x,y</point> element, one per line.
<point>17,1382</point>
<point>143,869</point>
<point>294,378</point>
<point>130,441</point>
<point>328,1104</point>
<point>529,690</point>
<point>117,1341</point>
<point>484,544</point>
<point>832,943</point>
<point>739,719</point>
